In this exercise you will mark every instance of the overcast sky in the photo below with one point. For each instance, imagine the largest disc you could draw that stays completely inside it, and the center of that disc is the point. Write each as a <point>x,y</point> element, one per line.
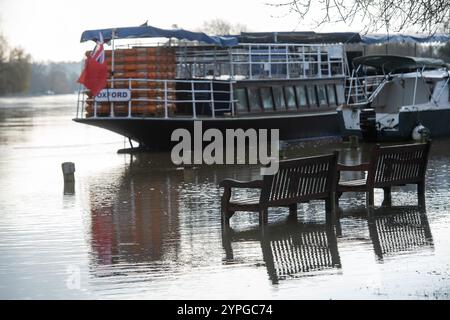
<point>51,29</point>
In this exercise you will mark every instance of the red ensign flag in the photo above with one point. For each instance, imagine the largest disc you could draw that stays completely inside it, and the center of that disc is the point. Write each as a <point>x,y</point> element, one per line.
<point>95,73</point>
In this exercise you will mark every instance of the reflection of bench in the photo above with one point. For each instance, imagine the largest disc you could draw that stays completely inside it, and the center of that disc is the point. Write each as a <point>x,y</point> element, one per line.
<point>297,180</point>
<point>389,166</point>
<point>396,232</point>
<point>291,249</point>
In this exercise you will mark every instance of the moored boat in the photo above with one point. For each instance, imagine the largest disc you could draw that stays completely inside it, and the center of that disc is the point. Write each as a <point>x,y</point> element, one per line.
<point>258,81</point>
<point>392,98</point>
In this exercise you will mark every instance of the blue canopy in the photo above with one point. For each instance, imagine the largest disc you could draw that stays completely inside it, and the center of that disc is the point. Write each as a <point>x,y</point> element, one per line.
<point>152,32</point>
<point>412,38</point>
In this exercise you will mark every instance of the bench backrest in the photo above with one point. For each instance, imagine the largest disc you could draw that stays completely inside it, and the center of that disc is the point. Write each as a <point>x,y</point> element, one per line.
<point>396,165</point>
<point>300,180</point>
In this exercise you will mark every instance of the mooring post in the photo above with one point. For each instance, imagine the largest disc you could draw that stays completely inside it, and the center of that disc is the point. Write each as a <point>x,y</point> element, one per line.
<point>353,142</point>
<point>68,169</point>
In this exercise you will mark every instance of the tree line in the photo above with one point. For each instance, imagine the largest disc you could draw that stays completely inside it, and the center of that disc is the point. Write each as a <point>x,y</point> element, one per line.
<point>15,69</point>
<point>19,75</point>
<point>54,78</point>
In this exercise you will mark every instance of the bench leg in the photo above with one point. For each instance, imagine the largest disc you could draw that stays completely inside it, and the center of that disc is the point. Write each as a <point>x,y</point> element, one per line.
<point>337,196</point>
<point>369,198</point>
<point>293,209</point>
<point>226,215</point>
<point>226,242</point>
<point>330,208</point>
<point>421,194</point>
<point>225,218</point>
<point>387,200</point>
<point>263,216</point>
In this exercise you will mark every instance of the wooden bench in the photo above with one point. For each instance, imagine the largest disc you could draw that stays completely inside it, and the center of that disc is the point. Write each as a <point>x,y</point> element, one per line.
<point>388,167</point>
<point>297,180</point>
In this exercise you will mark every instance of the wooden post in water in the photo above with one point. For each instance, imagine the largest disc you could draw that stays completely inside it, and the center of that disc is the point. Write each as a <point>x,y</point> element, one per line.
<point>68,169</point>
<point>353,142</point>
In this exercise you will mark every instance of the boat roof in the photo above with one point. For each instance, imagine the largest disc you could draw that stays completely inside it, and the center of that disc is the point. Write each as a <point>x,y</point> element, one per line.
<point>303,37</point>
<point>404,38</point>
<point>391,63</point>
<point>146,31</point>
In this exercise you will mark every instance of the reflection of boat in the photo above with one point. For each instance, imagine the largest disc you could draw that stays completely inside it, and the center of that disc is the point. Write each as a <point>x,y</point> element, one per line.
<point>396,230</point>
<point>132,221</point>
<point>393,97</point>
<point>287,81</point>
<point>137,217</point>
<point>289,250</point>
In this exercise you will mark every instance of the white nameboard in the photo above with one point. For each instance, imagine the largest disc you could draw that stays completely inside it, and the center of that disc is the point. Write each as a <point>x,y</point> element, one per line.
<point>113,95</point>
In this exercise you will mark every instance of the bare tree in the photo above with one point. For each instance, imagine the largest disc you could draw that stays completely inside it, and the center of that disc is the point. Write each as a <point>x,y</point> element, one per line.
<point>222,27</point>
<point>428,16</point>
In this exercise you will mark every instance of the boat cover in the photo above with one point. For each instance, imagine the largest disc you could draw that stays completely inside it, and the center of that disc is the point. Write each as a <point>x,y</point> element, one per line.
<point>307,37</point>
<point>153,32</point>
<point>411,38</point>
<point>390,63</point>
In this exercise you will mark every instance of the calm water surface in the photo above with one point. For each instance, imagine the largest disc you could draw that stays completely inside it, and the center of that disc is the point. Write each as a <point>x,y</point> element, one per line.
<point>142,228</point>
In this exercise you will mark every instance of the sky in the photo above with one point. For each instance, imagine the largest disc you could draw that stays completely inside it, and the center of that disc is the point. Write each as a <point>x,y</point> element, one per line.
<point>51,29</point>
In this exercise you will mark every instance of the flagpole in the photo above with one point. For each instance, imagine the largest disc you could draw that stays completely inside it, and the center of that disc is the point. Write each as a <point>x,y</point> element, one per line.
<point>113,62</point>
<point>112,69</point>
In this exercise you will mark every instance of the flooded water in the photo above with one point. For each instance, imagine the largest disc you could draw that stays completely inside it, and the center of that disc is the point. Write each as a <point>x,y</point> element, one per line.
<point>143,228</point>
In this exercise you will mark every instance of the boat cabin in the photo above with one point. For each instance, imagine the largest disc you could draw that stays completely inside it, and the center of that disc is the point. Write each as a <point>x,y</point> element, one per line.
<point>247,75</point>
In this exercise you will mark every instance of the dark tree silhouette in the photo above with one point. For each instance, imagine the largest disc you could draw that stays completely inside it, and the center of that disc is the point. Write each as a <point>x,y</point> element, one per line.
<point>428,16</point>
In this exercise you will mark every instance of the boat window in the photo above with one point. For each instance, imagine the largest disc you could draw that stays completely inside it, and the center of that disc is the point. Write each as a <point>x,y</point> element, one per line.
<point>266,96</point>
<point>331,94</point>
<point>322,94</point>
<point>241,97</point>
<point>278,97</point>
<point>254,99</point>
<point>290,98</point>
<point>312,98</point>
<point>301,96</point>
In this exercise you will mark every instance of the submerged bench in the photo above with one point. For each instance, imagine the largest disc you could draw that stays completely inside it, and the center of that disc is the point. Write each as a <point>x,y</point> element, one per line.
<point>297,180</point>
<point>389,166</point>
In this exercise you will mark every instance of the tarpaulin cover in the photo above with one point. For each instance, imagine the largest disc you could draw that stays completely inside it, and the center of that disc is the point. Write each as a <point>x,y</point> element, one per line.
<point>152,32</point>
<point>262,37</point>
<point>390,63</point>
<point>411,38</point>
<point>307,37</point>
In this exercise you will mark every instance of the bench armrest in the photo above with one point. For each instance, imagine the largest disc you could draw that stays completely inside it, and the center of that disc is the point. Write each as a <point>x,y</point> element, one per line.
<point>230,183</point>
<point>358,167</point>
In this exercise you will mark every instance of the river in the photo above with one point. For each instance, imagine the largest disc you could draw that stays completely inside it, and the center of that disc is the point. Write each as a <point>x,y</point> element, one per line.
<point>141,227</point>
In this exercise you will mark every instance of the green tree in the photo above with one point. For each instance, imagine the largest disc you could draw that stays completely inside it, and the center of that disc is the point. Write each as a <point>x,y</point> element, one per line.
<point>19,70</point>
<point>15,69</point>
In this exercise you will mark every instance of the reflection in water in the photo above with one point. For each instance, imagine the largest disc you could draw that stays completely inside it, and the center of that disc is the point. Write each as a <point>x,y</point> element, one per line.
<point>290,249</point>
<point>141,214</point>
<point>156,214</point>
<point>396,230</point>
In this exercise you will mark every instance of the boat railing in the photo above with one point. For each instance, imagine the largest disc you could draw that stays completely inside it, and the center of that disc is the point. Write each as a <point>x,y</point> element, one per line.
<point>256,61</point>
<point>162,98</point>
<point>361,90</point>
